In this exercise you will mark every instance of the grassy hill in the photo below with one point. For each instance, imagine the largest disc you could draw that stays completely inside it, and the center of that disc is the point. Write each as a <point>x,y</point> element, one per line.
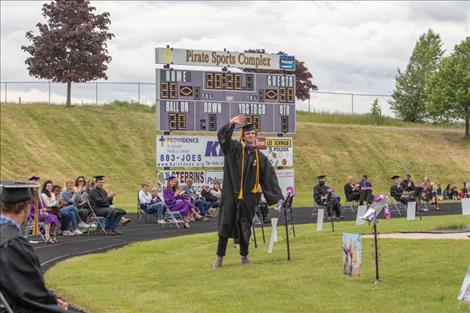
<point>119,142</point>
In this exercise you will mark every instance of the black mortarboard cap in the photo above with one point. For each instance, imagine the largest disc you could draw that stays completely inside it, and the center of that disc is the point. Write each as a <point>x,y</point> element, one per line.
<point>98,177</point>
<point>321,177</point>
<point>16,191</point>
<point>394,177</point>
<point>249,127</point>
<point>34,178</point>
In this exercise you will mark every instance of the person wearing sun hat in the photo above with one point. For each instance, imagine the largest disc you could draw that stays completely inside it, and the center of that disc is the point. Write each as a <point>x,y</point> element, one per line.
<point>246,172</point>
<point>22,282</point>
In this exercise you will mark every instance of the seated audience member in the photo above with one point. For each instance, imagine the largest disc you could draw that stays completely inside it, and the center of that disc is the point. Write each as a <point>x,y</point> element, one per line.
<point>216,190</point>
<point>51,221</point>
<point>365,190</point>
<point>407,184</point>
<point>428,194</point>
<point>53,205</point>
<point>69,197</point>
<point>22,281</point>
<point>465,191</point>
<point>151,205</point>
<point>323,195</point>
<point>450,193</point>
<point>102,201</point>
<point>176,202</point>
<point>201,204</point>
<point>397,192</point>
<point>81,197</point>
<point>351,190</point>
<point>70,207</point>
<point>439,192</point>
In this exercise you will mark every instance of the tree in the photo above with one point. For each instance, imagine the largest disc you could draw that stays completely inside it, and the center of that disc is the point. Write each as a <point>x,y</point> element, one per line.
<point>449,87</point>
<point>409,97</point>
<point>303,77</point>
<point>71,46</point>
<point>376,111</point>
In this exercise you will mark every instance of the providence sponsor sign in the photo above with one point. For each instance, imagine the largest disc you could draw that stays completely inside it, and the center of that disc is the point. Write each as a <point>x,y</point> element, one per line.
<point>261,61</point>
<point>208,177</point>
<point>205,151</point>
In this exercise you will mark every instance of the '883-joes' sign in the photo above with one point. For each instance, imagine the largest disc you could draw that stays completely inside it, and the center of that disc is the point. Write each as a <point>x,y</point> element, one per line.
<point>207,100</point>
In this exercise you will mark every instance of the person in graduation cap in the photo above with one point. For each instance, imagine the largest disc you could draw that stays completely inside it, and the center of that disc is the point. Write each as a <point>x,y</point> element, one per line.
<point>21,279</point>
<point>246,171</point>
<point>397,192</point>
<point>323,195</point>
<point>102,201</point>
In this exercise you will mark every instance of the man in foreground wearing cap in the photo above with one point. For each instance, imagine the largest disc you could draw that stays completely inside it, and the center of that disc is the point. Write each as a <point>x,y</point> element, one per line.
<point>246,171</point>
<point>21,279</point>
<point>101,202</point>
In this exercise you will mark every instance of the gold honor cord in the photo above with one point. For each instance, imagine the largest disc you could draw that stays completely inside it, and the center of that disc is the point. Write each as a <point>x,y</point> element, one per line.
<point>255,188</point>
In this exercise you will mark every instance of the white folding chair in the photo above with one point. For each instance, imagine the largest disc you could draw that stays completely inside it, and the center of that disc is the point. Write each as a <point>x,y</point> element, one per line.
<point>172,217</point>
<point>396,206</point>
<point>352,205</point>
<point>28,229</point>
<point>317,207</point>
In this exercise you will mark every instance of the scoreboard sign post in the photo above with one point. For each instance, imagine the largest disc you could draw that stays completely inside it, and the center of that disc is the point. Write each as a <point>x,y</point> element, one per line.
<point>205,100</point>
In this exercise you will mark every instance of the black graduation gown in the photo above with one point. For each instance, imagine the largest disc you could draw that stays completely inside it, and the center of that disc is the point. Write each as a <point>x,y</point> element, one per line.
<point>235,216</point>
<point>21,279</point>
<point>99,198</point>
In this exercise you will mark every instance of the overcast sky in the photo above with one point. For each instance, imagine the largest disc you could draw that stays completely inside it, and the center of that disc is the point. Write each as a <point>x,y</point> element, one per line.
<point>353,47</point>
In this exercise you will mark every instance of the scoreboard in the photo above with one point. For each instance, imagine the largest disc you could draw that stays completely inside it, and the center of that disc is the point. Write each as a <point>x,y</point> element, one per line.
<point>194,101</point>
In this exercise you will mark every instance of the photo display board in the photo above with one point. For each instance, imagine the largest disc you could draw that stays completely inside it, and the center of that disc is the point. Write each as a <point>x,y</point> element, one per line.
<point>206,100</point>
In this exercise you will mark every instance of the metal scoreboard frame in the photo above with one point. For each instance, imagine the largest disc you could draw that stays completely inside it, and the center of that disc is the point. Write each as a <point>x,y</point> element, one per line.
<point>202,101</point>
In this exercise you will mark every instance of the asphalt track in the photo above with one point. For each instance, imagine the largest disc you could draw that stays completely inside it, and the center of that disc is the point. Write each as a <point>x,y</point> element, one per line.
<point>70,246</point>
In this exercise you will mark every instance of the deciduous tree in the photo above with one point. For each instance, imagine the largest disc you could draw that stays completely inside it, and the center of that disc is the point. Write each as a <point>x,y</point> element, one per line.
<point>71,45</point>
<point>449,88</point>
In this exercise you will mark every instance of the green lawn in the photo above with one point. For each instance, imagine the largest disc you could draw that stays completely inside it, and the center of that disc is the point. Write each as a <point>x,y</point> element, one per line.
<point>59,143</point>
<point>174,275</point>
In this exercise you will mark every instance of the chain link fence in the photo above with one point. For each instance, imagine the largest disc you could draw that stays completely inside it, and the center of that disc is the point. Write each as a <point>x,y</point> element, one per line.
<point>101,93</point>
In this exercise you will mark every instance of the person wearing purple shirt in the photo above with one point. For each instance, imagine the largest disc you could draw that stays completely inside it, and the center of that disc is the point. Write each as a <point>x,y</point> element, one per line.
<point>173,197</point>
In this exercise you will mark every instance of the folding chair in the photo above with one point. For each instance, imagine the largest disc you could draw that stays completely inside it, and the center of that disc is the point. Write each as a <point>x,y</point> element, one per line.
<point>396,206</point>
<point>317,207</point>
<point>142,216</point>
<point>28,229</point>
<point>352,205</point>
<point>173,217</point>
<point>214,210</point>
<point>95,219</point>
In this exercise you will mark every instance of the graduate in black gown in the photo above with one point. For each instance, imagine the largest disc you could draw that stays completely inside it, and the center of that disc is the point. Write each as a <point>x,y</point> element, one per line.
<point>21,279</point>
<point>246,172</point>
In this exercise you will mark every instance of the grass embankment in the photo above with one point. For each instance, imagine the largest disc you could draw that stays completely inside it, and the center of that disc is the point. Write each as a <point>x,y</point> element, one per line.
<point>174,275</point>
<point>119,141</point>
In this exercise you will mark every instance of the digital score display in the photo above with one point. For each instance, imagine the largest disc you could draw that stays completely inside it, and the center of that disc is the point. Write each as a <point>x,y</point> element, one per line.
<point>206,100</point>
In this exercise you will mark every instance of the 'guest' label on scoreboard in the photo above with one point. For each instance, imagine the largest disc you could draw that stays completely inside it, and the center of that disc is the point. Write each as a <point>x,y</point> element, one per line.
<point>280,81</point>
